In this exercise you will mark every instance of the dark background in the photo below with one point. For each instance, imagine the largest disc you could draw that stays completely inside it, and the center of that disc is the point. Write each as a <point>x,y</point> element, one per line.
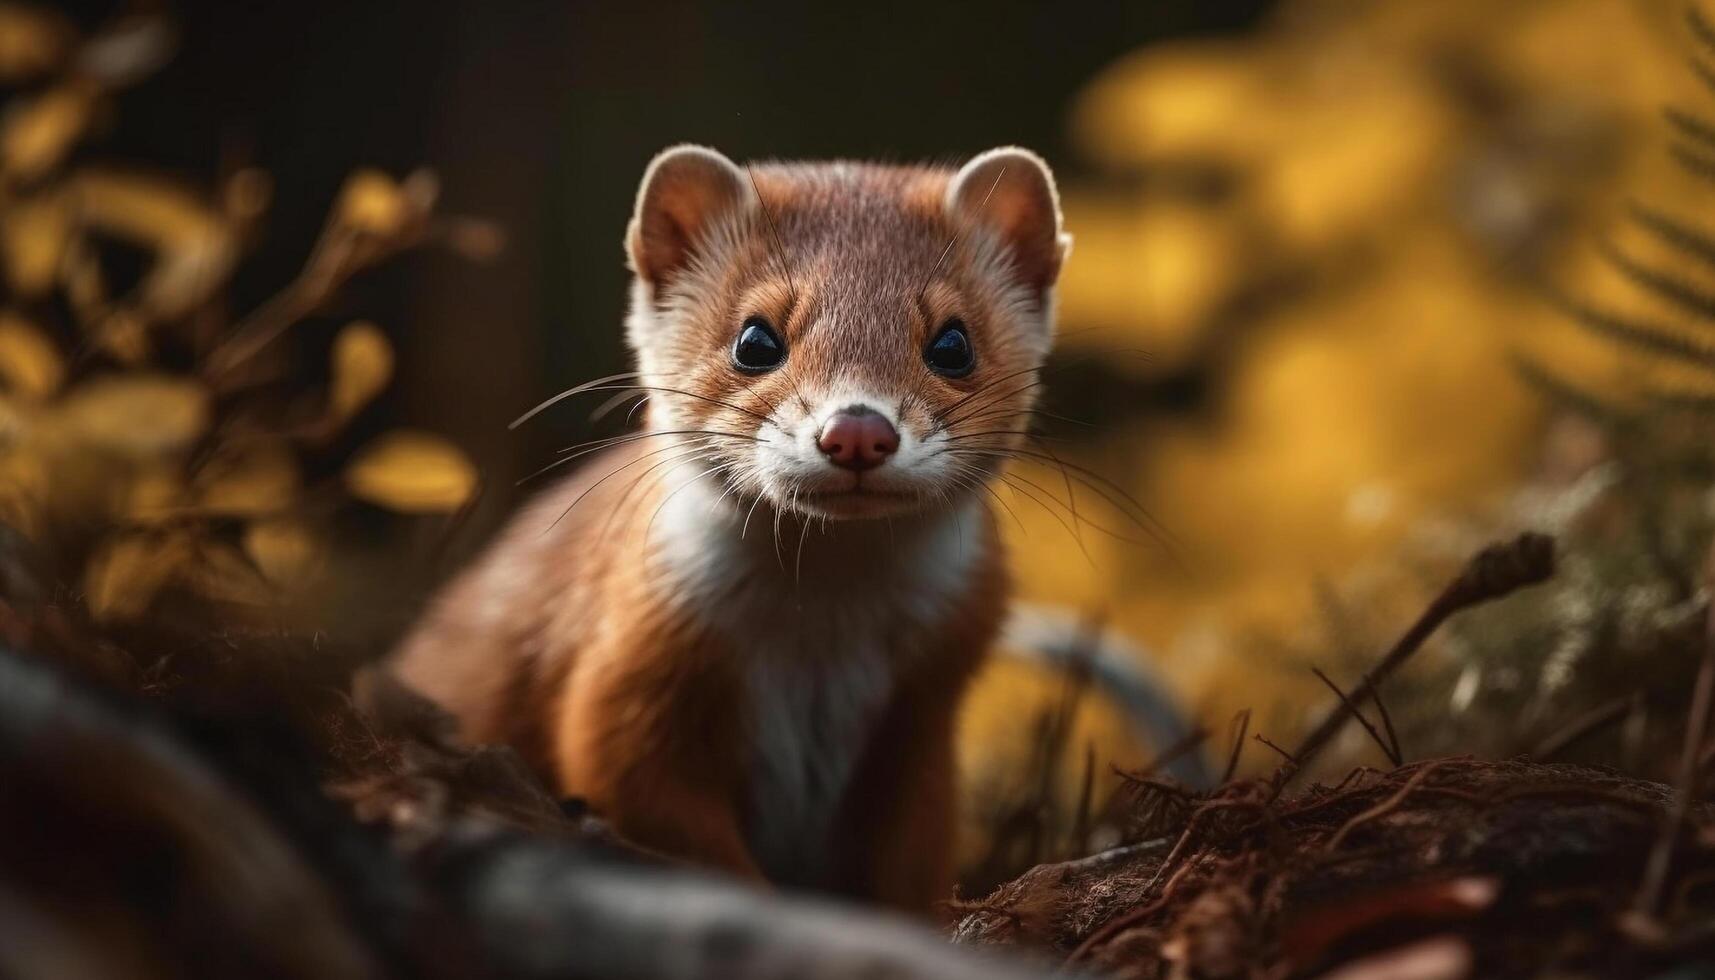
<point>541,116</point>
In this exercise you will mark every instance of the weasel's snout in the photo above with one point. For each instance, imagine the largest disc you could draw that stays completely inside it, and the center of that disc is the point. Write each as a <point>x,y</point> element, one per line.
<point>858,438</point>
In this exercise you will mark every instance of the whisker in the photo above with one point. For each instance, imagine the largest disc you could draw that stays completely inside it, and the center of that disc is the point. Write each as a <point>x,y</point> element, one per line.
<point>1100,484</point>
<point>648,433</point>
<point>972,480</point>
<point>1142,518</point>
<point>604,384</point>
<point>985,389</point>
<point>957,234</point>
<point>949,421</point>
<point>591,488</point>
<point>1071,495</point>
<point>798,561</point>
<point>747,514</point>
<point>1072,510</point>
<point>650,527</point>
<point>774,232</point>
<point>569,392</point>
<point>634,500</point>
<point>1009,479</point>
<point>616,401</point>
<point>1004,412</point>
<point>596,445</point>
<point>687,394</point>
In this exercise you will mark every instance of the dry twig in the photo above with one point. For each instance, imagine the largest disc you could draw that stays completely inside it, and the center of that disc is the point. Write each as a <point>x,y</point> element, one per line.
<point>1495,571</point>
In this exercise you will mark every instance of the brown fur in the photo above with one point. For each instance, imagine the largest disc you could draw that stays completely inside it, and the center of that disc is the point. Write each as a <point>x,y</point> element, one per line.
<point>659,662</point>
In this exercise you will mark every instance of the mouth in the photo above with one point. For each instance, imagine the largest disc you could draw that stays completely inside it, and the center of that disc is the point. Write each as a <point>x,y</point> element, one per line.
<point>855,501</point>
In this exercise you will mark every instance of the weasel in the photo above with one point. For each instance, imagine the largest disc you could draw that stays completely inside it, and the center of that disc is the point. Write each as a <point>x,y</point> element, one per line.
<point>743,632</point>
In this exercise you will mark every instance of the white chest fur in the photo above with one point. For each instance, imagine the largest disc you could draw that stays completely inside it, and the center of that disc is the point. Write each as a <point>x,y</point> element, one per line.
<point>822,642</point>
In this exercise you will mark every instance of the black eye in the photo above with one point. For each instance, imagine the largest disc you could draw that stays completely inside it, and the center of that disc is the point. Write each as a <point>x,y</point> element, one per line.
<point>759,348</point>
<point>950,353</point>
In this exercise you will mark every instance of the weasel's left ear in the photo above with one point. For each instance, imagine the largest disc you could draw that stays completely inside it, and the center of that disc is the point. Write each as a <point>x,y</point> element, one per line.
<point>1010,191</point>
<point>685,191</point>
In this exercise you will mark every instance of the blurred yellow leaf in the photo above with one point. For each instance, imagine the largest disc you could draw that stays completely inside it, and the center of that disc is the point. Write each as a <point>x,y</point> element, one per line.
<point>36,135</point>
<point>246,194</point>
<point>373,203</point>
<point>155,494</point>
<point>1365,143</point>
<point>24,483</point>
<point>413,472</point>
<point>221,572</point>
<point>125,337</point>
<point>362,366</point>
<point>127,50</point>
<point>34,234</point>
<point>1156,272</point>
<point>138,415</point>
<point>1199,99</point>
<point>32,41</point>
<point>287,551</point>
<point>30,364</point>
<point>127,572</point>
<point>194,247</point>
<point>257,480</point>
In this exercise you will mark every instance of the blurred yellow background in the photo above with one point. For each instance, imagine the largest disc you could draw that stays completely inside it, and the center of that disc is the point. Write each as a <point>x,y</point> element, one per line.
<point>1363,213</point>
<point>1316,240</point>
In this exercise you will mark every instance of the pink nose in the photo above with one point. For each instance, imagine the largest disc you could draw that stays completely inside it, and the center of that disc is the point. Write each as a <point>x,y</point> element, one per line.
<point>858,439</point>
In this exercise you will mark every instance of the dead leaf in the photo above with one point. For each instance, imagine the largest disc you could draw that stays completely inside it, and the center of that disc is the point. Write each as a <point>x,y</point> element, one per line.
<point>138,415</point>
<point>412,472</point>
<point>32,41</point>
<point>34,235</point>
<point>128,572</point>
<point>30,364</point>
<point>287,551</point>
<point>253,481</point>
<point>35,135</point>
<point>362,366</point>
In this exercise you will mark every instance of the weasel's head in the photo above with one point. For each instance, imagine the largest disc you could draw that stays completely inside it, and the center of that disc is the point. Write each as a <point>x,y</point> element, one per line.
<point>845,340</point>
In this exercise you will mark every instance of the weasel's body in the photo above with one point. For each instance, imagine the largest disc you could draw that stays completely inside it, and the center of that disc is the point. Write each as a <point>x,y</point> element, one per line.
<point>742,635</point>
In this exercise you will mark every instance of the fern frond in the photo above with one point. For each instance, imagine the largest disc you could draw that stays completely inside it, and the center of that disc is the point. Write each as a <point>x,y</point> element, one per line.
<point>1701,30</point>
<point>1640,335</point>
<point>1699,165</point>
<point>1693,127</point>
<point>1684,402</point>
<point>1704,71</point>
<point>1687,295</point>
<point>1566,395</point>
<point>1693,241</point>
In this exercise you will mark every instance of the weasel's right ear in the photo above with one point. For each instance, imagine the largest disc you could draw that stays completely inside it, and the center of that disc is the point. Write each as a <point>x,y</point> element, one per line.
<point>685,189</point>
